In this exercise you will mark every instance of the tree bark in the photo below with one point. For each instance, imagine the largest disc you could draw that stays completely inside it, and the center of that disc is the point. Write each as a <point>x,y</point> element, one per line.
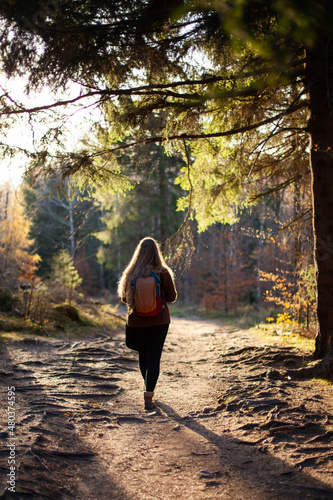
<point>71,220</point>
<point>320,127</point>
<point>163,193</point>
<point>260,245</point>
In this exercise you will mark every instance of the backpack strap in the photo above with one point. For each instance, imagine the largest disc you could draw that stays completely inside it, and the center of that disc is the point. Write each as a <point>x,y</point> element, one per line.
<point>157,279</point>
<point>133,286</point>
<point>159,292</point>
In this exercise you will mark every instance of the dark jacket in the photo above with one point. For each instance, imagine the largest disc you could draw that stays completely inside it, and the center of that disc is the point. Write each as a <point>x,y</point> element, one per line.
<point>169,294</point>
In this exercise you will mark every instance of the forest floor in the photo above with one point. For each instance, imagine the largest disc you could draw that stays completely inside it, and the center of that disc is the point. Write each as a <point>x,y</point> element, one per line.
<point>224,427</point>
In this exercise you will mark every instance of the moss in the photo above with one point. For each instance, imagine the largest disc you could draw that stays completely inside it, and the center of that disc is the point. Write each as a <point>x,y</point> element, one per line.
<point>7,301</point>
<point>67,311</point>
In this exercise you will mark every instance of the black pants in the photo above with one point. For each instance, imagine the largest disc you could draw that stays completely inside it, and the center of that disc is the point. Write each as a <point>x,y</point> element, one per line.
<point>149,343</point>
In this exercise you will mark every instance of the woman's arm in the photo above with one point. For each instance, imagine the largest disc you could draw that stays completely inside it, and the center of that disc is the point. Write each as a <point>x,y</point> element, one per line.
<point>168,288</point>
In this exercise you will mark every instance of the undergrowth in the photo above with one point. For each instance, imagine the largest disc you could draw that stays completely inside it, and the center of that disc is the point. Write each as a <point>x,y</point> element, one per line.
<point>63,321</point>
<point>254,319</point>
<point>243,316</point>
<point>274,334</point>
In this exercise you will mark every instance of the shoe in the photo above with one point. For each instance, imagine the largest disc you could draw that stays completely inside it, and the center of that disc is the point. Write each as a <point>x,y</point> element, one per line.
<point>148,397</point>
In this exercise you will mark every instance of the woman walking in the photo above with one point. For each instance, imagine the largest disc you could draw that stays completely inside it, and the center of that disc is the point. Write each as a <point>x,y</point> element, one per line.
<point>147,278</point>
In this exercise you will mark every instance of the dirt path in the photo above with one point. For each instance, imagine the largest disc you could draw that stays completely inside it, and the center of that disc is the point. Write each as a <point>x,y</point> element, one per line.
<point>224,428</point>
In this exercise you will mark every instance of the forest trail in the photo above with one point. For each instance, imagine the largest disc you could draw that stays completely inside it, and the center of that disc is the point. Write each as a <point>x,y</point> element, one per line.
<point>224,427</point>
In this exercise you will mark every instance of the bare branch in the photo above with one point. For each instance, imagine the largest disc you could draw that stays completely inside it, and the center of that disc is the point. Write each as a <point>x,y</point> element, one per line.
<point>303,217</point>
<point>159,90</point>
<point>289,181</point>
<point>291,106</point>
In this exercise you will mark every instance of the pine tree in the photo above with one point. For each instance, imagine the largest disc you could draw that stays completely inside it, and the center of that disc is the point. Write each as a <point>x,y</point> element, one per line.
<point>149,209</point>
<point>64,274</point>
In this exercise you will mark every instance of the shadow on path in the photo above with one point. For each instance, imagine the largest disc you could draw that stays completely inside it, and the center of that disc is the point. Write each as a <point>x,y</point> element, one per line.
<point>51,459</point>
<point>255,467</point>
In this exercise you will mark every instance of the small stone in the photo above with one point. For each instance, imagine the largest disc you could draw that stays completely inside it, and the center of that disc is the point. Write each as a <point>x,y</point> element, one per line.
<point>205,473</point>
<point>151,413</point>
<point>220,407</point>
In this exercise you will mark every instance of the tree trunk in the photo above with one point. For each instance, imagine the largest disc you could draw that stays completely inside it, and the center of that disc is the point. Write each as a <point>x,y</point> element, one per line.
<point>100,226</point>
<point>260,245</point>
<point>320,126</point>
<point>163,193</point>
<point>71,220</point>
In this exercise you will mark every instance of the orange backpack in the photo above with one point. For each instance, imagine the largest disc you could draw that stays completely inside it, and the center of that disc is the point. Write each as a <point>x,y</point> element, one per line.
<point>147,295</point>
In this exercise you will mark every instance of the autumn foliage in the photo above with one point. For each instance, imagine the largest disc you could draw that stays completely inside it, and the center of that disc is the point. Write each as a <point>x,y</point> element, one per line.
<point>18,258</point>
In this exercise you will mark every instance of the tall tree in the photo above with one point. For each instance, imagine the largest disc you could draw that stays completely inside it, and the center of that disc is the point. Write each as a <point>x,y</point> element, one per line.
<point>18,259</point>
<point>267,64</point>
<point>148,209</point>
<point>64,219</point>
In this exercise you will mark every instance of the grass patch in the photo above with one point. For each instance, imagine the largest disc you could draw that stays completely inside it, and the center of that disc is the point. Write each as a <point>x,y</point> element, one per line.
<point>252,318</point>
<point>275,334</point>
<point>64,321</point>
<point>243,317</point>
<point>322,381</point>
<point>180,310</point>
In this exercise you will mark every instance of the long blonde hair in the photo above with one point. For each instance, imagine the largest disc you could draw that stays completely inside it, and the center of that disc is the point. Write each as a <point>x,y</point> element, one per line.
<point>147,258</point>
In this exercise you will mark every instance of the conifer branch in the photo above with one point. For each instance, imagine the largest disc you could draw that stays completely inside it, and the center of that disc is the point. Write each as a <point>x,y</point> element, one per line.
<point>182,239</point>
<point>101,94</point>
<point>159,90</point>
<point>226,133</point>
<point>190,194</point>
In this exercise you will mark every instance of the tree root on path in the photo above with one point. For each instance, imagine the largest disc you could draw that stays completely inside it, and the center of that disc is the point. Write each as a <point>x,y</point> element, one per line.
<point>326,437</point>
<point>320,369</point>
<point>312,461</point>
